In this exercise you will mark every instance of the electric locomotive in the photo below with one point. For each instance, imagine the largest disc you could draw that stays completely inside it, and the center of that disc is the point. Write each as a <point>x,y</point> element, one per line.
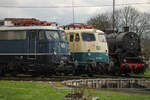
<point>88,48</point>
<point>30,48</point>
<point>125,52</point>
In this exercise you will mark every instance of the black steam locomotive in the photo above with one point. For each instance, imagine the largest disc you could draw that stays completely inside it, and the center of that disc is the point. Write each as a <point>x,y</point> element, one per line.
<point>125,52</point>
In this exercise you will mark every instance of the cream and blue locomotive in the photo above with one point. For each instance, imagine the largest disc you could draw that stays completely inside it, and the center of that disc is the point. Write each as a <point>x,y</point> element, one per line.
<point>88,48</point>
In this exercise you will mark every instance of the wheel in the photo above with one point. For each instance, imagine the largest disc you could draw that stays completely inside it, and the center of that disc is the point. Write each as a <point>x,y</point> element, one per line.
<point>90,75</point>
<point>111,69</point>
<point>2,70</point>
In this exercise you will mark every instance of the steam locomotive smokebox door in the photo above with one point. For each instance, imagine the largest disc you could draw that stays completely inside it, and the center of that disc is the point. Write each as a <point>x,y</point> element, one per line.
<point>32,42</point>
<point>126,29</point>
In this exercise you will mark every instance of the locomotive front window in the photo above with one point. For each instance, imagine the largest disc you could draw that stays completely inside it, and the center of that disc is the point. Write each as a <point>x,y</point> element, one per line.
<point>88,37</point>
<point>52,35</point>
<point>101,38</point>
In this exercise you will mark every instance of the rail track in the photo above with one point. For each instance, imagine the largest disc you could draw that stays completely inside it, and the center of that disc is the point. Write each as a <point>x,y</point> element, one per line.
<point>56,79</point>
<point>65,78</point>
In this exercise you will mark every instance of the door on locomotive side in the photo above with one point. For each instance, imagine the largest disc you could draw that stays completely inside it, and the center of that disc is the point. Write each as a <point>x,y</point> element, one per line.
<point>36,42</point>
<point>74,39</point>
<point>77,42</point>
<point>71,41</point>
<point>32,41</point>
<point>42,42</point>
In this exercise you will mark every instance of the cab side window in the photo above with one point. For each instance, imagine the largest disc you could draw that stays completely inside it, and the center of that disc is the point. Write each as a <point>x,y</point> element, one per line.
<point>12,35</point>
<point>41,35</point>
<point>33,35</point>
<point>71,37</point>
<point>77,38</point>
<point>64,35</point>
<point>101,38</point>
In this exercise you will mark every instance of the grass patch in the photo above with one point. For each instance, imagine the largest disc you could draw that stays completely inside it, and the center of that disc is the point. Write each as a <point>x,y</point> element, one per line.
<point>119,96</point>
<point>12,90</point>
<point>58,84</point>
<point>146,74</point>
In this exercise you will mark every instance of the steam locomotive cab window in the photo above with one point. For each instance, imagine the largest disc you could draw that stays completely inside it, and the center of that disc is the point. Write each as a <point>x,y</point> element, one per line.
<point>12,35</point>
<point>52,35</point>
<point>88,37</point>
<point>101,38</point>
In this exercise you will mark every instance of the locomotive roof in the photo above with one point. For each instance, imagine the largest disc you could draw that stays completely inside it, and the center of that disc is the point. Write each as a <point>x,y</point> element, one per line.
<point>85,30</point>
<point>4,28</point>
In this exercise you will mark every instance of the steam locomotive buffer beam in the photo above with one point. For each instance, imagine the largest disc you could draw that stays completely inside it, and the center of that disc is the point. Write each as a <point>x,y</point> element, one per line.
<point>109,83</point>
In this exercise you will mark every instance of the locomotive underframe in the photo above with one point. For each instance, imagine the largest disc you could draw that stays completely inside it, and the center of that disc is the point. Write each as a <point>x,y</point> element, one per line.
<point>92,67</point>
<point>35,64</point>
<point>124,64</point>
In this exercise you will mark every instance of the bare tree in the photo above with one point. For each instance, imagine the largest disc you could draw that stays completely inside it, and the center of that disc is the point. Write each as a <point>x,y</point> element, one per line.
<point>100,21</point>
<point>137,21</point>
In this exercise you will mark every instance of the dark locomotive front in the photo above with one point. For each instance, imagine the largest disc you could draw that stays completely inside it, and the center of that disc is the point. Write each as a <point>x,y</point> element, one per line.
<point>125,53</point>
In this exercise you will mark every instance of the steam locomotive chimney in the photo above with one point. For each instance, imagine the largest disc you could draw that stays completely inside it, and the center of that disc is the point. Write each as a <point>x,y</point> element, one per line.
<point>126,29</point>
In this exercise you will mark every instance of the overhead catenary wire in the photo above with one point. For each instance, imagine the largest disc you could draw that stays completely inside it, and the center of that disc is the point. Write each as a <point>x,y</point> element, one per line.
<point>70,6</point>
<point>73,19</point>
<point>113,14</point>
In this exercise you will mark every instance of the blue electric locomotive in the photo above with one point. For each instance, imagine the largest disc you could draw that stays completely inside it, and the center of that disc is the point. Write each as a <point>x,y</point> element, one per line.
<point>39,49</point>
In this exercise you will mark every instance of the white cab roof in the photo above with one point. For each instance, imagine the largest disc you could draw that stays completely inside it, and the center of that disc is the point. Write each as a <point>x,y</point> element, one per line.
<point>6,28</point>
<point>85,30</point>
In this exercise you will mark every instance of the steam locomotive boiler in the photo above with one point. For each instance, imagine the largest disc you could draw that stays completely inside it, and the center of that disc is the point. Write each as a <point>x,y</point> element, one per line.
<point>125,53</point>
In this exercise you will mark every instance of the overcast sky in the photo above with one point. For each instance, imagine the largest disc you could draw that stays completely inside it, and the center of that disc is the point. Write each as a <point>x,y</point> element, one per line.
<point>60,10</point>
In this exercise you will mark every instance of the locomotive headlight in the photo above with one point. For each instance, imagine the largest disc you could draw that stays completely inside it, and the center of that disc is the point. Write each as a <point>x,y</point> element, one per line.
<point>69,53</point>
<point>61,62</point>
<point>106,51</point>
<point>54,51</point>
<point>89,54</point>
<point>132,44</point>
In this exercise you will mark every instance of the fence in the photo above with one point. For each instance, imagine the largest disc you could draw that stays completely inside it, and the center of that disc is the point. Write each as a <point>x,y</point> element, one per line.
<point>109,83</point>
